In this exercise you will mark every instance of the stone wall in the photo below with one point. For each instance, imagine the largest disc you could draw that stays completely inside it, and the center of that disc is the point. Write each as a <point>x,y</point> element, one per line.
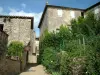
<point>3,48</point>
<point>55,21</point>
<point>17,29</point>
<point>95,10</point>
<point>44,24</point>
<point>12,66</point>
<point>55,17</point>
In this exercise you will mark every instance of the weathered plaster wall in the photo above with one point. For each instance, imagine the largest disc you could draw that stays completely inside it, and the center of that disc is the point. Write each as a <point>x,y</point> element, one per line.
<point>55,21</point>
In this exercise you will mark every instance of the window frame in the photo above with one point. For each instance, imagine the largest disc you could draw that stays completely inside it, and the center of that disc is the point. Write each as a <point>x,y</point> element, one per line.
<point>72,14</point>
<point>60,12</point>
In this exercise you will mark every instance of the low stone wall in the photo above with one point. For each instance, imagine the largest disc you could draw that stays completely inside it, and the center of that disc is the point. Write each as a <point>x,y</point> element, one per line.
<point>13,67</point>
<point>24,62</point>
<point>9,66</point>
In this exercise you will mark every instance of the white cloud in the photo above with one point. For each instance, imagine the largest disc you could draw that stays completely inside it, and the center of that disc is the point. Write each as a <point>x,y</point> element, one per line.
<point>23,5</point>
<point>1,10</point>
<point>36,16</point>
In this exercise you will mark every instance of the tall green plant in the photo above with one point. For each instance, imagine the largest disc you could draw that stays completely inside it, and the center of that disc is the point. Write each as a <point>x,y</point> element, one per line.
<point>77,47</point>
<point>15,48</point>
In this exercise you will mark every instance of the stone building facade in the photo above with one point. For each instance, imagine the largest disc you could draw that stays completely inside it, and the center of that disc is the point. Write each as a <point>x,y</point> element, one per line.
<point>19,28</point>
<point>94,8</point>
<point>55,16</point>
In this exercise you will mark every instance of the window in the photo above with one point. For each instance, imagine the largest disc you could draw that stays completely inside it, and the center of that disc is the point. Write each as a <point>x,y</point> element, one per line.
<point>57,30</point>
<point>72,13</point>
<point>96,11</point>
<point>82,14</point>
<point>35,49</point>
<point>60,12</point>
<point>1,27</point>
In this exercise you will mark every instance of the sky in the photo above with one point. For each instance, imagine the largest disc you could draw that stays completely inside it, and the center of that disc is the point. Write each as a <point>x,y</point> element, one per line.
<point>35,7</point>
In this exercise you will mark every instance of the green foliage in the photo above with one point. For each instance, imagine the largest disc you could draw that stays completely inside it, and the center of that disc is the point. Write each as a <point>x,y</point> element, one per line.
<point>56,73</point>
<point>65,70</point>
<point>15,48</point>
<point>78,47</point>
<point>50,59</point>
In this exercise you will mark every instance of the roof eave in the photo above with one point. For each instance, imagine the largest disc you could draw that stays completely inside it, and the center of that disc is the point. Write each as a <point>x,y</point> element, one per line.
<point>56,7</point>
<point>92,6</point>
<point>42,16</point>
<point>14,16</point>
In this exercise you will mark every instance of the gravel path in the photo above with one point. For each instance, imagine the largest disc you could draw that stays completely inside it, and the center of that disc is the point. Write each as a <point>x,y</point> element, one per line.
<point>36,70</point>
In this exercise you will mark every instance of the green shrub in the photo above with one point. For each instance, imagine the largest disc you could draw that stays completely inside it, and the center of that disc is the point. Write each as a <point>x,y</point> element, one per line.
<point>50,60</point>
<point>15,48</point>
<point>73,51</point>
<point>56,73</point>
<point>64,63</point>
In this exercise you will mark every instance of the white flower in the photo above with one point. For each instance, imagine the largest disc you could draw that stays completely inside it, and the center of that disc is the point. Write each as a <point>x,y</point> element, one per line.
<point>51,61</point>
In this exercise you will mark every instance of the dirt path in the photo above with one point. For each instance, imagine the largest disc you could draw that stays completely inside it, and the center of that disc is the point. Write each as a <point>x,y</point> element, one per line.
<point>36,70</point>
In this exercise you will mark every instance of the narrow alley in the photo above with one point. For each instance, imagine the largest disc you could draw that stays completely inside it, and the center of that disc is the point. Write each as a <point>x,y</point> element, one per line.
<point>35,70</point>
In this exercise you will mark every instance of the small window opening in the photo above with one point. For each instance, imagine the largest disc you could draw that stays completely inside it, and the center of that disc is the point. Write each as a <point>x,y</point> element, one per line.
<point>1,27</point>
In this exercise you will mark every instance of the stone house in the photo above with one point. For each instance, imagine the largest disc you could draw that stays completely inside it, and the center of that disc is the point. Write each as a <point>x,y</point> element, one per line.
<point>19,28</point>
<point>94,8</point>
<point>55,16</point>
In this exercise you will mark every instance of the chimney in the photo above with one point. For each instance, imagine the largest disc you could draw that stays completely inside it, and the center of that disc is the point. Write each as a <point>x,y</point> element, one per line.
<point>46,2</point>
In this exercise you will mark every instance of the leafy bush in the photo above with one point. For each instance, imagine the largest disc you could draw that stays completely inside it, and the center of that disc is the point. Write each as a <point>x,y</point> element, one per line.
<point>49,59</point>
<point>15,48</point>
<point>64,63</point>
<point>56,73</point>
<point>73,51</point>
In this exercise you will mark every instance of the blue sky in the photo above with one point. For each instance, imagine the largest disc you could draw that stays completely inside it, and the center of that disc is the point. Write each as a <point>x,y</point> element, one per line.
<point>35,7</point>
